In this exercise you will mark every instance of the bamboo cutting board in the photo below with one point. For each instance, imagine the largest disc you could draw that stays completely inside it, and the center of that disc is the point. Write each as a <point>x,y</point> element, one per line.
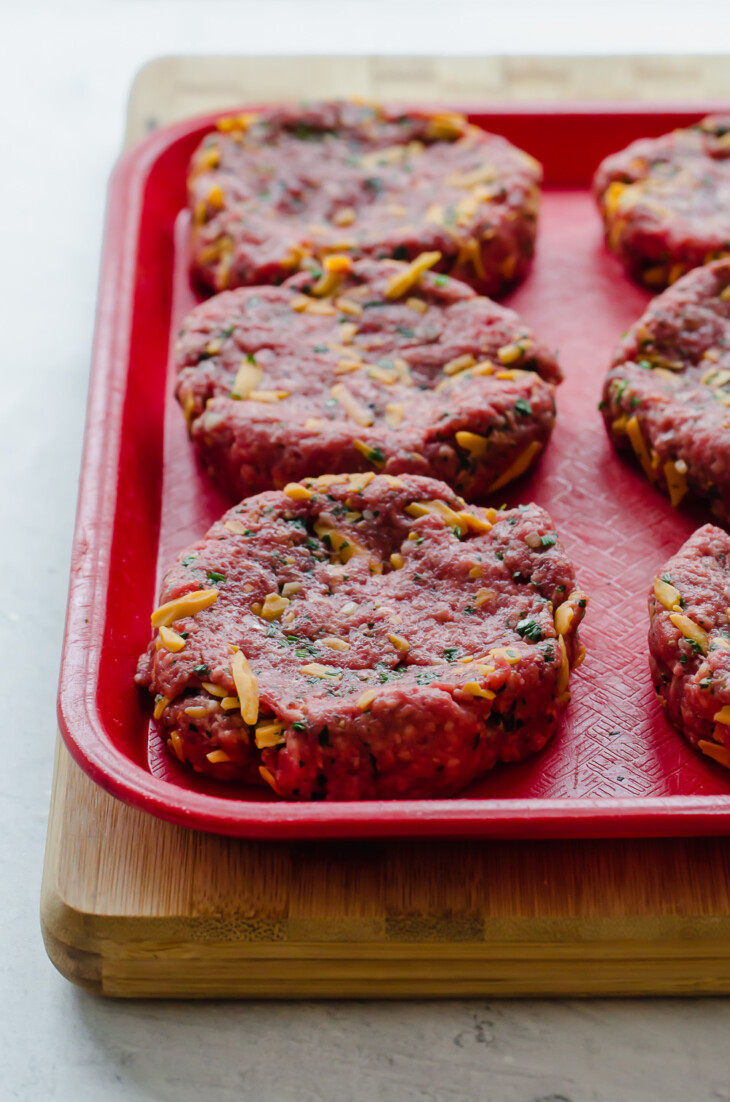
<point>132,906</point>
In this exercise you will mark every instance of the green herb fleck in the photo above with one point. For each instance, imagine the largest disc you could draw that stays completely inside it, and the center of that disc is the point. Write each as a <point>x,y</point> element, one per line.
<point>529,629</point>
<point>425,677</point>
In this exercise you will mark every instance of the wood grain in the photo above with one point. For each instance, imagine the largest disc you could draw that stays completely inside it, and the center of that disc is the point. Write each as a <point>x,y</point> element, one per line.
<point>132,906</point>
<point>173,88</point>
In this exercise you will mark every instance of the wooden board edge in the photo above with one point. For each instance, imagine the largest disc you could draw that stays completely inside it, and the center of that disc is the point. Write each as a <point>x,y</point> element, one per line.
<point>62,928</point>
<point>346,977</point>
<point>210,956</point>
<point>82,968</point>
<point>182,86</point>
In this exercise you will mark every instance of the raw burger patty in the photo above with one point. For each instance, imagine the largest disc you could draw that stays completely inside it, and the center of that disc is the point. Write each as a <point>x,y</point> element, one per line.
<point>393,642</point>
<point>666,201</point>
<point>267,190</point>
<point>689,641</point>
<point>668,394</point>
<point>383,367</point>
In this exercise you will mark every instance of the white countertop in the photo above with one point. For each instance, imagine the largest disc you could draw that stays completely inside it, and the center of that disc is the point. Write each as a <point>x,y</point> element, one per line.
<point>65,70</point>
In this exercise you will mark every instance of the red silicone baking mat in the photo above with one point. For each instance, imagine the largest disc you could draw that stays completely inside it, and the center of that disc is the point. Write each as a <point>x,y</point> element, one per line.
<point>616,767</point>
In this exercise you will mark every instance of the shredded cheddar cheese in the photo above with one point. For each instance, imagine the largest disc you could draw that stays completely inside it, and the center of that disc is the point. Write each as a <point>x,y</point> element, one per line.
<point>348,306</point>
<point>218,757</point>
<point>316,669</point>
<point>181,607</point>
<point>274,606</point>
<point>519,466</point>
<point>270,779</point>
<point>508,353</point>
<point>676,480</point>
<point>416,304</point>
<point>564,618</point>
<point>373,455</point>
<point>268,396</point>
<point>361,415</point>
<point>437,508</point>
<point>235,526</point>
<point>393,414</point>
<point>248,377</point>
<point>690,630</point>
<point>460,363</point>
<point>365,699</point>
<point>176,743</point>
<point>171,640</point>
<point>402,281</point>
<point>473,443</point>
<point>358,482</point>
<point>475,689</point>
<point>509,653</point>
<point>213,689</point>
<point>160,706</point>
<point>269,734</point>
<point>297,492</point>
<point>721,754</point>
<point>633,431</point>
<point>473,522</point>
<point>446,127</point>
<point>667,595</point>
<point>247,687</point>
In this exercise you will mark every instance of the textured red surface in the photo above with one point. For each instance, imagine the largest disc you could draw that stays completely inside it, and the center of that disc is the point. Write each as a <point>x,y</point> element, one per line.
<point>616,767</point>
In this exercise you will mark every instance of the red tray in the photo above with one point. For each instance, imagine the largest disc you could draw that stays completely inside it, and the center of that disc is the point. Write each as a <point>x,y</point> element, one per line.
<point>616,768</point>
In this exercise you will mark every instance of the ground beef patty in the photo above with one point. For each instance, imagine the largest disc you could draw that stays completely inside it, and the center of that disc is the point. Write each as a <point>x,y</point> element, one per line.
<point>371,365</point>
<point>360,636</point>
<point>668,394</point>
<point>689,641</point>
<point>666,201</point>
<point>267,190</point>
